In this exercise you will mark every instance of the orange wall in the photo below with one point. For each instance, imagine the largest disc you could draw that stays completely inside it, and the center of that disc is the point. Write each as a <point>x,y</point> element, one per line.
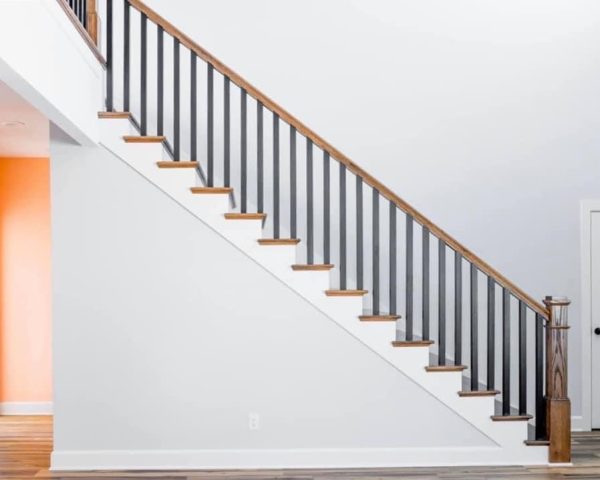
<point>25,291</point>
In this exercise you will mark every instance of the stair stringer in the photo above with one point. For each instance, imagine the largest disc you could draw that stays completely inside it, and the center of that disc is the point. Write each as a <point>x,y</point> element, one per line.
<point>311,285</point>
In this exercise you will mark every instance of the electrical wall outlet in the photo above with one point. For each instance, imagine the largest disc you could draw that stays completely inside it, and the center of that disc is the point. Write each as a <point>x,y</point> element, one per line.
<point>254,421</point>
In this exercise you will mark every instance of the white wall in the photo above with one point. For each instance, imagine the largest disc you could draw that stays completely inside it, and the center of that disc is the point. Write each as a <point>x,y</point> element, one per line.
<point>184,336</point>
<point>44,59</point>
<point>482,114</point>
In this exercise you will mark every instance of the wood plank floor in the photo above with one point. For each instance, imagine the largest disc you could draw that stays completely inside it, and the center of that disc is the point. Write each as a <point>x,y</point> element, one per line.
<point>26,443</point>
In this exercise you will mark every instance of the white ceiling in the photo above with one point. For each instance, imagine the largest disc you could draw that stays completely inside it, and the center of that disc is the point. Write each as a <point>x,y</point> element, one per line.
<point>30,140</point>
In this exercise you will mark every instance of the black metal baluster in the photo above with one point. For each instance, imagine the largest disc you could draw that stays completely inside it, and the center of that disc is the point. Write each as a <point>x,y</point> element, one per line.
<point>505,352</point>
<point>193,109</point>
<point>243,152</point>
<point>393,266</point>
<point>327,211</point>
<point>126,54</point>
<point>359,234</point>
<point>275,175</point>
<point>540,404</point>
<point>491,334</point>
<point>160,89</point>
<point>375,247</point>
<point>210,129</point>
<point>176,100</point>
<point>425,283</point>
<point>310,257</point>
<point>342,226</point>
<point>260,169</point>
<point>522,359</point>
<point>474,330</point>
<point>293,184</point>
<point>143,76</point>
<point>457,308</point>
<point>441,302</point>
<point>84,16</point>
<point>109,56</point>
<point>226,132</point>
<point>409,280</point>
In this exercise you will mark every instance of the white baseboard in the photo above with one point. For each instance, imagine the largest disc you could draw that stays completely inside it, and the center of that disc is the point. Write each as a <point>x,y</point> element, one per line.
<point>294,458</point>
<point>25,408</point>
<point>578,424</point>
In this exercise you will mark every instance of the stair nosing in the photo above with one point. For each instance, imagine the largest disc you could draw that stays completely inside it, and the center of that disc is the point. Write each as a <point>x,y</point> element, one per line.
<point>412,343</point>
<point>144,138</point>
<point>511,418</point>
<point>378,318</point>
<point>176,164</point>
<point>245,216</point>
<point>270,242</point>
<point>211,190</point>
<point>445,368</point>
<point>345,293</point>
<point>114,115</point>
<point>478,393</point>
<point>300,267</point>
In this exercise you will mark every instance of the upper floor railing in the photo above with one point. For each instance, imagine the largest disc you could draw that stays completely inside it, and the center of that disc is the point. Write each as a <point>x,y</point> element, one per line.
<point>85,17</point>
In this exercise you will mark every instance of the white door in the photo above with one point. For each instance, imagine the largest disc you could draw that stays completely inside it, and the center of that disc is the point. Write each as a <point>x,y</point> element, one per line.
<point>595,301</point>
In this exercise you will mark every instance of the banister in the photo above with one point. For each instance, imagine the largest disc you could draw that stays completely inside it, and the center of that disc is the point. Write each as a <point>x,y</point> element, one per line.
<point>317,140</point>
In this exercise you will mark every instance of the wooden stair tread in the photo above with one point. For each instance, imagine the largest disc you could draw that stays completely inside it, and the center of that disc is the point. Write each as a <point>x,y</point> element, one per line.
<point>317,267</point>
<point>412,343</point>
<point>278,241</point>
<point>478,393</point>
<point>536,443</point>
<point>345,293</point>
<point>511,418</point>
<point>445,368</point>
<point>378,318</point>
<point>245,216</point>
<point>211,190</point>
<point>174,164</point>
<point>144,138</point>
<point>125,115</point>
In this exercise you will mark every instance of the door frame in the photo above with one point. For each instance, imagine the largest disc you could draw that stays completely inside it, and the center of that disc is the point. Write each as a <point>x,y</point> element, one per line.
<point>587,208</point>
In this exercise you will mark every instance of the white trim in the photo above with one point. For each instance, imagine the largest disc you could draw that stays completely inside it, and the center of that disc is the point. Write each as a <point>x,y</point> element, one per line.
<point>578,424</point>
<point>587,207</point>
<point>295,458</point>
<point>26,408</point>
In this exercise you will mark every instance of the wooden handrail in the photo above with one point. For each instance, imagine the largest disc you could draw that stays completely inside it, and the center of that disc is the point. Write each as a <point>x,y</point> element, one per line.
<point>339,156</point>
<point>92,20</point>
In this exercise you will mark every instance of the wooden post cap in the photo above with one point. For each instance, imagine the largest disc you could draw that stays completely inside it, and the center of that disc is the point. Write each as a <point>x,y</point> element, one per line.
<point>552,301</point>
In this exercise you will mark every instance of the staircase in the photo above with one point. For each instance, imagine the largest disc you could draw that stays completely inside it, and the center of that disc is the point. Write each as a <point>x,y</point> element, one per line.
<point>337,236</point>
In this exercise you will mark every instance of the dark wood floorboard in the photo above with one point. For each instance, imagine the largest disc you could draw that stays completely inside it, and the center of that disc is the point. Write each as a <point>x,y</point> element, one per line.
<point>26,443</point>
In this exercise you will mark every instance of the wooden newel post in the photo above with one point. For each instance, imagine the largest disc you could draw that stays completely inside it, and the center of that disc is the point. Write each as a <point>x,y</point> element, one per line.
<point>558,405</point>
<point>92,20</point>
